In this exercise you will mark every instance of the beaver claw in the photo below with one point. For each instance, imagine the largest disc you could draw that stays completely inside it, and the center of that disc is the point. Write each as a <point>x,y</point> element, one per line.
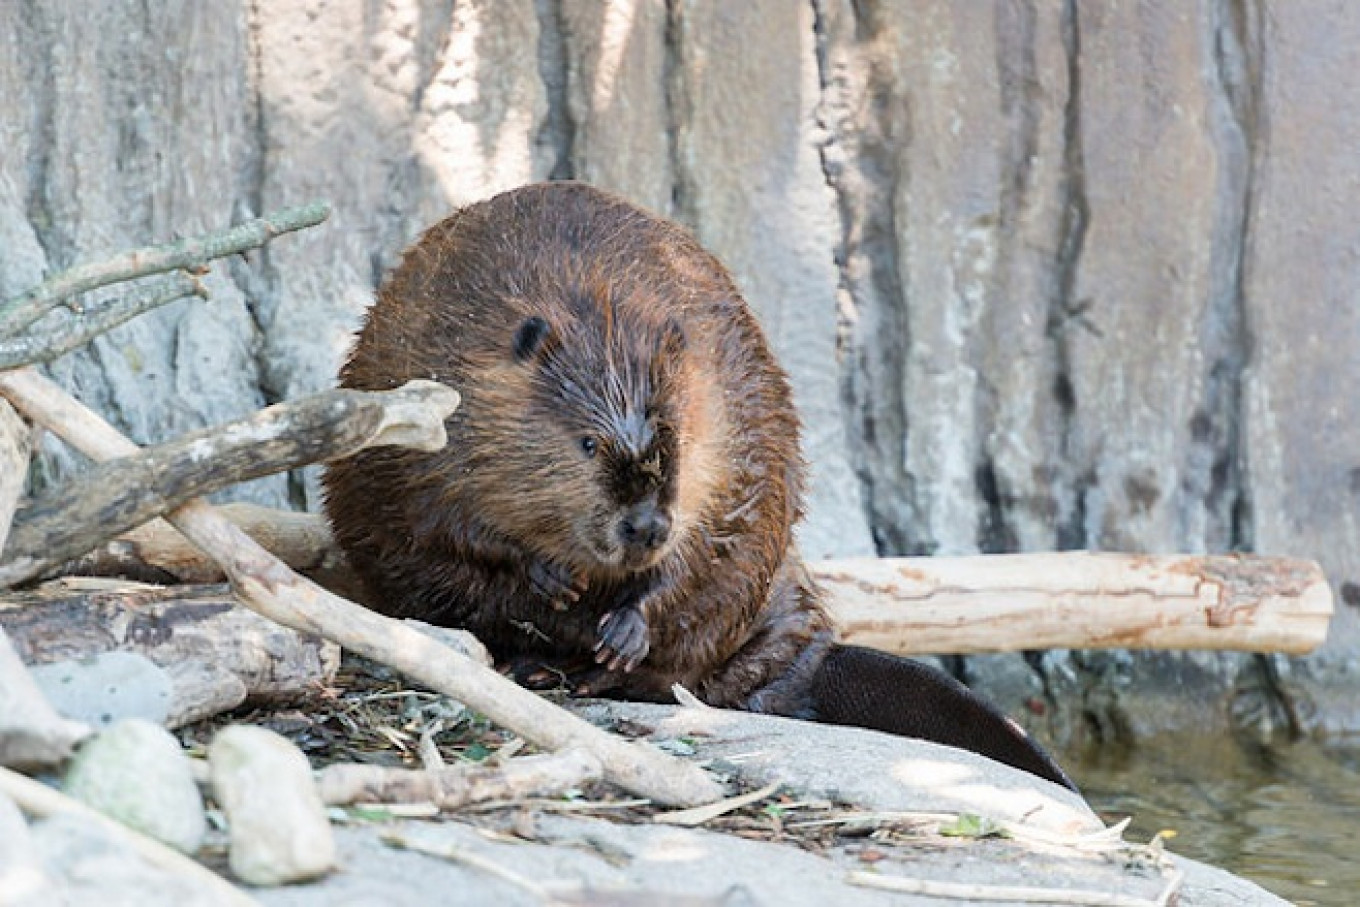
<point>579,679</point>
<point>556,583</point>
<point>623,639</point>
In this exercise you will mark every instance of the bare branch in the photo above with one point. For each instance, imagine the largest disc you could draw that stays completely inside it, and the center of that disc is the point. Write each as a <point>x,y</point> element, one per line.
<point>190,254</point>
<point>128,491</point>
<point>45,346</point>
<point>453,787</point>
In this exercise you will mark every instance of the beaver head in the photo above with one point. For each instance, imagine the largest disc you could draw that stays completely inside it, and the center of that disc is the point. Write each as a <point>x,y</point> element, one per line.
<point>605,398</point>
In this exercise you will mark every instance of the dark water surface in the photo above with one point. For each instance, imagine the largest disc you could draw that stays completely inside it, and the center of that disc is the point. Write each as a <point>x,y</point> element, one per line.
<point>1286,816</point>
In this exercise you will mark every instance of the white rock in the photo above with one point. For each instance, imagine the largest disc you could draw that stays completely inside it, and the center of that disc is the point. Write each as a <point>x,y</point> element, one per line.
<point>86,865</point>
<point>107,687</point>
<point>135,772</point>
<point>22,881</point>
<point>279,829</point>
<point>32,734</point>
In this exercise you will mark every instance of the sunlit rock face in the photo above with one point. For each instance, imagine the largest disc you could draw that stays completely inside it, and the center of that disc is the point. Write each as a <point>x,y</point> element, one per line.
<point>1074,275</point>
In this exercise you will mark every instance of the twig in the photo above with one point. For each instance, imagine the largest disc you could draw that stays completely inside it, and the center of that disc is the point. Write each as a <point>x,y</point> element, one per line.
<point>20,311</point>
<point>1023,894</point>
<point>268,587</point>
<point>127,491</point>
<point>48,345</point>
<point>40,800</point>
<point>701,814</point>
<point>452,787</point>
<point>470,859</point>
<point>1108,838</point>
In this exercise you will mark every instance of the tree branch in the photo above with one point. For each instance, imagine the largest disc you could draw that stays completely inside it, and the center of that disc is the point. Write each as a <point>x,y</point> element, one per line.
<point>128,491</point>
<point>21,311</point>
<point>28,349</point>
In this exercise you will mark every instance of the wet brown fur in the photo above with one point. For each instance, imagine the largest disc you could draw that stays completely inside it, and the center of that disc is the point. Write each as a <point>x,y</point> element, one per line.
<point>453,537</point>
<point>559,313</point>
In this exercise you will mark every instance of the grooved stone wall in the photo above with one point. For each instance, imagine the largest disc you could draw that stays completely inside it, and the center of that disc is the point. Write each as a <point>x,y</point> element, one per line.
<point>1045,273</point>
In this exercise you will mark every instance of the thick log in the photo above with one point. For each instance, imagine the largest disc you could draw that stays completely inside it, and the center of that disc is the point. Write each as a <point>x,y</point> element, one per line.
<point>70,620</point>
<point>128,491</point>
<point>156,551</point>
<point>268,587</point>
<point>1079,600</point>
<point>935,605</point>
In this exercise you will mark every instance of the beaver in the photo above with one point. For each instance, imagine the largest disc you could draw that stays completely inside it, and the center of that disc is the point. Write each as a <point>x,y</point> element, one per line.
<point>616,504</point>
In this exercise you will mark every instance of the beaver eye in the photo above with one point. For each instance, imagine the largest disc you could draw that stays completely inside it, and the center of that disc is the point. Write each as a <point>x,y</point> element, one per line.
<point>589,445</point>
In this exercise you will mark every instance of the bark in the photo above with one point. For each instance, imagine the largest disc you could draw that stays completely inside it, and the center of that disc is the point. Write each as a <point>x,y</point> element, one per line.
<point>70,620</point>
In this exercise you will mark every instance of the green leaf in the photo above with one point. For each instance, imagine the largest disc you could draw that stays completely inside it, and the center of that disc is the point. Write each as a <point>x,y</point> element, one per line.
<point>970,825</point>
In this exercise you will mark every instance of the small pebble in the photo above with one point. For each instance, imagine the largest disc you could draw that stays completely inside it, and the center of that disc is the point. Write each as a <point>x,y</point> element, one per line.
<point>134,771</point>
<point>278,825</point>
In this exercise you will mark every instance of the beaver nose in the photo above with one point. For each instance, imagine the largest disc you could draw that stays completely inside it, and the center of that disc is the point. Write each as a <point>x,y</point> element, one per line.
<point>645,527</point>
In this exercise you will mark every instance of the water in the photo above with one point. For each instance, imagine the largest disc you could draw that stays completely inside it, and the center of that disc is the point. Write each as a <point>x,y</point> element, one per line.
<point>1286,816</point>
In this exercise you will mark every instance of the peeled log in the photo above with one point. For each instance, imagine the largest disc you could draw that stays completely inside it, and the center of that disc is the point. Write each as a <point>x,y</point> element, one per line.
<point>1078,600</point>
<point>935,605</point>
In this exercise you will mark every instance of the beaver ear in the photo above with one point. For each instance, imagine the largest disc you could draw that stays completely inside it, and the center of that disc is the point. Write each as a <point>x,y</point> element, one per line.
<point>531,338</point>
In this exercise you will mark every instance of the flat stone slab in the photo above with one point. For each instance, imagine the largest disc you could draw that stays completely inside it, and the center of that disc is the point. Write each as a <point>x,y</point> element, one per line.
<point>595,860</point>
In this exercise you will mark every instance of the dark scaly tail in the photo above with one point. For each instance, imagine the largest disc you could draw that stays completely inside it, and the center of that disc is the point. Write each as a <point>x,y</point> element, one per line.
<point>871,689</point>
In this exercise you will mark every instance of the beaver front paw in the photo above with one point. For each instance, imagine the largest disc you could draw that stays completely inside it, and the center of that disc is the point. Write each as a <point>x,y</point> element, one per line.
<point>623,639</point>
<point>556,583</point>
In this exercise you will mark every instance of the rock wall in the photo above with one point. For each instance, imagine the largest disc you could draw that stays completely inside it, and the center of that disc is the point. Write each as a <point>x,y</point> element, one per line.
<point>1045,274</point>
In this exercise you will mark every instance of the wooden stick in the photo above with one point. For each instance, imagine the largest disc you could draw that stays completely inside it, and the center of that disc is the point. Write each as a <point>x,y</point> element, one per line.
<point>27,349</point>
<point>452,787</point>
<point>156,550</point>
<point>1079,600</point>
<point>1023,894</point>
<point>190,254</point>
<point>15,449</point>
<point>268,587</point>
<point>127,491</point>
<point>38,799</point>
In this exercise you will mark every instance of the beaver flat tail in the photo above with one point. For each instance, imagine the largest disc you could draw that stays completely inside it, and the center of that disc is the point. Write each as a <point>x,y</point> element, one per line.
<point>870,689</point>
